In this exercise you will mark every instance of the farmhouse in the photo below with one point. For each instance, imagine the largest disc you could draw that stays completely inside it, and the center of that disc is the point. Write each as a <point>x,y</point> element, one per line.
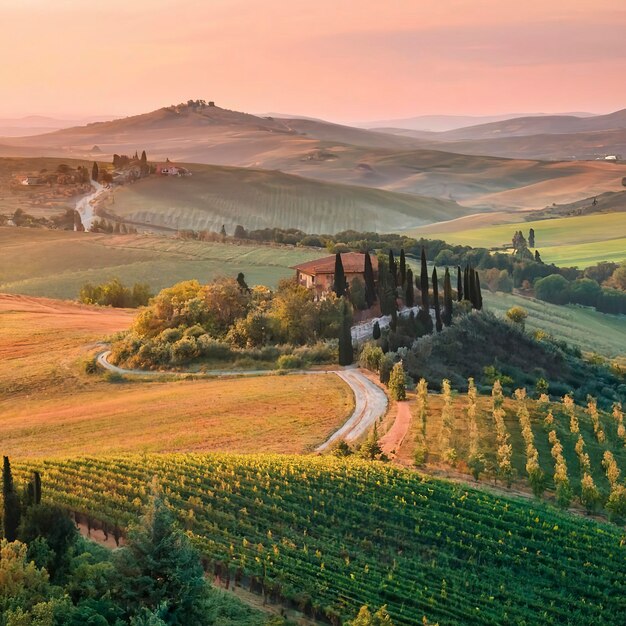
<point>169,169</point>
<point>320,274</point>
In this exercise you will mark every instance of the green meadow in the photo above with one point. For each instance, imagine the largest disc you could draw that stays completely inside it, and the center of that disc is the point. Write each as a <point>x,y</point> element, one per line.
<point>568,241</point>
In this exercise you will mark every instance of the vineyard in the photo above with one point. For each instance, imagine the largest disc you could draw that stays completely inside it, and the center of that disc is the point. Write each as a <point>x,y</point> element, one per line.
<point>329,535</point>
<point>576,453</point>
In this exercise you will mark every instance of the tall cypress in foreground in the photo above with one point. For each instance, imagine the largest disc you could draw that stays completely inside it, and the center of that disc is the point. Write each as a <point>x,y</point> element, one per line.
<point>11,503</point>
<point>472,287</point>
<point>438,324</point>
<point>393,268</point>
<point>479,295</point>
<point>459,284</point>
<point>447,299</point>
<point>370,284</point>
<point>339,282</point>
<point>402,269</point>
<point>94,172</point>
<point>409,295</point>
<point>345,336</point>
<point>466,283</point>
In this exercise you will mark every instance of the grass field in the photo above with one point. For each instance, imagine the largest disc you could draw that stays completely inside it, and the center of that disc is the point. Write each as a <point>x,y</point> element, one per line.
<point>50,407</point>
<point>57,264</point>
<point>568,241</point>
<point>585,327</point>
<point>331,535</point>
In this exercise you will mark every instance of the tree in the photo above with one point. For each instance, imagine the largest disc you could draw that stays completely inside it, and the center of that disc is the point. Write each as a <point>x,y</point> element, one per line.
<point>11,513</point>
<point>403,277</point>
<point>346,355</point>
<point>144,158</point>
<point>376,330</point>
<point>240,232</point>
<point>357,294</point>
<point>393,268</point>
<point>223,231</point>
<point>479,293</point>
<point>371,448</point>
<point>531,238</point>
<point>517,315</point>
<point>339,281</point>
<point>94,172</point>
<point>49,523</point>
<point>459,284</point>
<point>538,257</point>
<point>159,569</point>
<point>448,452</point>
<point>370,285</point>
<point>409,295</point>
<point>447,299</point>
<point>438,322</point>
<point>466,284</point>
<point>397,385</point>
<point>424,314</point>
<point>241,281</point>
<point>553,288</point>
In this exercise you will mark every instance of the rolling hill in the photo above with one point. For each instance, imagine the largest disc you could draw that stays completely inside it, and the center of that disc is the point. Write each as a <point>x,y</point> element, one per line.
<point>335,153</point>
<point>214,196</point>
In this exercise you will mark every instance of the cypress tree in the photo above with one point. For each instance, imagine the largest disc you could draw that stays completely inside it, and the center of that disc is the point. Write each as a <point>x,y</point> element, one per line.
<point>339,282</point>
<point>409,295</point>
<point>376,331</point>
<point>402,268</point>
<point>466,283</point>
<point>459,284</point>
<point>438,324</point>
<point>370,283</point>
<point>424,283</point>
<point>345,336</point>
<point>447,299</point>
<point>479,295</point>
<point>531,238</point>
<point>11,503</point>
<point>144,158</point>
<point>393,268</point>
<point>472,287</point>
<point>95,172</point>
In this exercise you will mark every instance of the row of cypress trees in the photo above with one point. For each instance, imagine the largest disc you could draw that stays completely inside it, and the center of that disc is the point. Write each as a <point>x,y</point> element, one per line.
<point>394,276</point>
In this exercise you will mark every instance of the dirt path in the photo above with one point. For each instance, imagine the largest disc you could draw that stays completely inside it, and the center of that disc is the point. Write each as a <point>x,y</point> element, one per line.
<point>393,439</point>
<point>370,401</point>
<point>370,404</point>
<point>85,206</point>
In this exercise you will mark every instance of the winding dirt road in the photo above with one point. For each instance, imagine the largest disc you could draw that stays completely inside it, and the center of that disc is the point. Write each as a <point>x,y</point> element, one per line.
<point>370,401</point>
<point>394,437</point>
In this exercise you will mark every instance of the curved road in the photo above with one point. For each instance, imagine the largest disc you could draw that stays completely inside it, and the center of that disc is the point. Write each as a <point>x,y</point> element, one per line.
<point>370,401</point>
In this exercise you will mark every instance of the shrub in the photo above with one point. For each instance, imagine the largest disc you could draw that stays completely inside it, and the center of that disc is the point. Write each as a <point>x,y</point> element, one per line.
<point>370,356</point>
<point>288,362</point>
<point>114,377</point>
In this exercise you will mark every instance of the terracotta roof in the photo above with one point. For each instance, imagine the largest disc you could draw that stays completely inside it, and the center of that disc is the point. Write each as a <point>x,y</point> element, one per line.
<point>353,262</point>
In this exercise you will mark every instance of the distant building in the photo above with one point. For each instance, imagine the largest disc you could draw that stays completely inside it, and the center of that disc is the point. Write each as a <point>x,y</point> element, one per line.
<point>320,274</point>
<point>169,169</point>
<point>31,180</point>
<point>613,157</point>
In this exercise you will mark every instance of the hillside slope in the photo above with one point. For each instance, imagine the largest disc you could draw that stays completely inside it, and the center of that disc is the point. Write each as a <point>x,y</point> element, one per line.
<point>214,196</point>
<point>331,535</point>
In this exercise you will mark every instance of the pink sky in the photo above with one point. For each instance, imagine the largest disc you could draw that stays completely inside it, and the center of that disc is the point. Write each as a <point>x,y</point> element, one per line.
<point>345,60</point>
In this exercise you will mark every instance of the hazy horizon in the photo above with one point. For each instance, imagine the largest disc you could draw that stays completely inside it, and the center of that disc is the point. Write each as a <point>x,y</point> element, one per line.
<point>347,63</point>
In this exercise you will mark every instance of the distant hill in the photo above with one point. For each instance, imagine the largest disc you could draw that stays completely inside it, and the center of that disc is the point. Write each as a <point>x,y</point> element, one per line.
<point>335,153</point>
<point>443,123</point>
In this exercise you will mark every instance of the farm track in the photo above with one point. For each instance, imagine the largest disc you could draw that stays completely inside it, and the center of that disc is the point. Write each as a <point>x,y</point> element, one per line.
<point>370,401</point>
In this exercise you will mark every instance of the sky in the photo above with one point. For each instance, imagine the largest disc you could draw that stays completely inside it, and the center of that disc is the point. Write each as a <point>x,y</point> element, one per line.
<point>344,60</point>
